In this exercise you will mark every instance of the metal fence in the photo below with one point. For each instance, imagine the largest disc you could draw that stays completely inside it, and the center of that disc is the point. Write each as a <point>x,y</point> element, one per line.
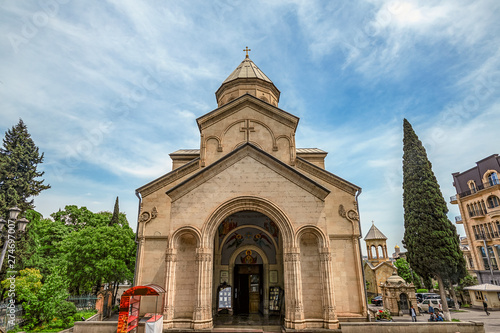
<point>83,302</point>
<point>10,316</point>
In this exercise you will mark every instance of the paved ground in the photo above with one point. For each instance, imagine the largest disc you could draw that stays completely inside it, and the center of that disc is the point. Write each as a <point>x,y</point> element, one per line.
<point>491,322</point>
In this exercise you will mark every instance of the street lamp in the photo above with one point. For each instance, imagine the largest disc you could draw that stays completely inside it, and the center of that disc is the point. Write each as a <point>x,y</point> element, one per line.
<point>10,233</point>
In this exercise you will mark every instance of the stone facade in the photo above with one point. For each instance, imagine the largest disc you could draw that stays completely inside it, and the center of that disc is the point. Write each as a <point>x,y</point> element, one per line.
<point>398,296</point>
<point>250,209</point>
<point>478,198</point>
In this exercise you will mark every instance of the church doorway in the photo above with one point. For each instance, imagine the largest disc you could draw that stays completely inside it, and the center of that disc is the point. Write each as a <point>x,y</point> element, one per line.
<point>248,289</point>
<point>248,257</point>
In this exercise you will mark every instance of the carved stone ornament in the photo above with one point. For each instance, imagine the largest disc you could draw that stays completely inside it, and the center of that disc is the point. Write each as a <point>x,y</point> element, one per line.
<point>148,216</point>
<point>351,214</point>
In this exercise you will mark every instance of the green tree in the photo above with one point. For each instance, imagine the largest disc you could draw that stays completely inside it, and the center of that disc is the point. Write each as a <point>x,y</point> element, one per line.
<point>407,273</point>
<point>42,250</point>
<point>19,176</point>
<point>115,219</point>
<point>430,238</point>
<point>40,301</point>
<point>93,256</point>
<point>26,285</point>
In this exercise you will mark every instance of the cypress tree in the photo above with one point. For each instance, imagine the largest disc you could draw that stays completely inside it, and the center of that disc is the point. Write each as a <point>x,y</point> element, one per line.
<point>115,218</point>
<point>19,177</point>
<point>430,238</point>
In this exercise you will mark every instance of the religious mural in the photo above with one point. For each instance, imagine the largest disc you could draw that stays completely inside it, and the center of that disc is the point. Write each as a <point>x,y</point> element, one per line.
<point>248,228</point>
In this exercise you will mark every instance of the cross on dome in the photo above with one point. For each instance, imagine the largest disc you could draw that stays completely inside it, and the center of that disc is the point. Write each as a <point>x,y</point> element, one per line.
<point>246,50</point>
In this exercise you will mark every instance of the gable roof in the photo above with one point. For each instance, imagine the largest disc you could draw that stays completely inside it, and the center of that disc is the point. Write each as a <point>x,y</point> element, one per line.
<point>239,153</point>
<point>237,104</point>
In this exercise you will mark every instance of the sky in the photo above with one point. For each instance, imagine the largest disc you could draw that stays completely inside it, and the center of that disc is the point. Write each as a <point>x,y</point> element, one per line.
<point>109,88</point>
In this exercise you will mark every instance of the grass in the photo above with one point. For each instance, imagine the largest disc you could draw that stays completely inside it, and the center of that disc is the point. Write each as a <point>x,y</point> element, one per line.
<point>453,319</point>
<point>57,325</point>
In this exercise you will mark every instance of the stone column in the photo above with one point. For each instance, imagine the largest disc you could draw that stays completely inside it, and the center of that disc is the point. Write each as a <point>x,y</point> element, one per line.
<point>168,311</point>
<point>330,320</point>
<point>203,311</point>
<point>294,317</point>
<point>359,275</point>
<point>140,259</point>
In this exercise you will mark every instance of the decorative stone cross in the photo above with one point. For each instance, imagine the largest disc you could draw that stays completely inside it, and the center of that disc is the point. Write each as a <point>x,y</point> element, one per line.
<point>247,129</point>
<point>246,50</point>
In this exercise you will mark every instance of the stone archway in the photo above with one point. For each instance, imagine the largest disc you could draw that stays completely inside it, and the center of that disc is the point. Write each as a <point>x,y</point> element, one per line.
<point>294,316</point>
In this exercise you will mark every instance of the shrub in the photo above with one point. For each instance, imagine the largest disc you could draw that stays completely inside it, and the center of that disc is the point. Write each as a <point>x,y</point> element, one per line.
<point>422,290</point>
<point>66,312</point>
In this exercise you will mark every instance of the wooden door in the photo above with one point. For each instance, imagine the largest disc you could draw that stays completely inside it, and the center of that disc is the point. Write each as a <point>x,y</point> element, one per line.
<point>254,293</point>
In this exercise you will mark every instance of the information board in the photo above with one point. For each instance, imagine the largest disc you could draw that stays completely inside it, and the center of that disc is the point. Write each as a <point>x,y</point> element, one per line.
<point>225,298</point>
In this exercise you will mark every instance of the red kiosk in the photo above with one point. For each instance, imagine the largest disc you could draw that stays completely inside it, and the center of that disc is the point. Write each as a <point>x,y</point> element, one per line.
<point>128,319</point>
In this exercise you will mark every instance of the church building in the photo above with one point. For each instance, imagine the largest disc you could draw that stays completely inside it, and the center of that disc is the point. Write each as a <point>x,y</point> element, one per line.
<point>249,223</point>
<point>378,266</point>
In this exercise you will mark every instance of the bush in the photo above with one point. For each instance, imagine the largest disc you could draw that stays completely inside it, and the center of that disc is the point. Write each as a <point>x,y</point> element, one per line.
<point>66,312</point>
<point>422,290</point>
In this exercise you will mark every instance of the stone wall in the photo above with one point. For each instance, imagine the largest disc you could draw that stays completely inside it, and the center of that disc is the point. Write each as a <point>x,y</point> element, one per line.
<point>439,327</point>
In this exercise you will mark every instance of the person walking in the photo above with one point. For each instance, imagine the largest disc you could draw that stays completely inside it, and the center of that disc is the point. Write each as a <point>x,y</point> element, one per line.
<point>413,314</point>
<point>485,306</point>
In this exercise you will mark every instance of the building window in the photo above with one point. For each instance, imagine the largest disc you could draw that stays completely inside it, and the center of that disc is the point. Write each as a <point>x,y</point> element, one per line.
<point>472,186</point>
<point>493,201</point>
<point>485,257</point>
<point>474,229</point>
<point>493,260</point>
<point>479,295</point>
<point>493,179</point>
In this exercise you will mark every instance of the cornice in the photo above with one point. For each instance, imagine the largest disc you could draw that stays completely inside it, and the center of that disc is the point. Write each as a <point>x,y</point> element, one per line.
<point>326,176</point>
<point>169,178</point>
<point>239,103</point>
<point>257,154</point>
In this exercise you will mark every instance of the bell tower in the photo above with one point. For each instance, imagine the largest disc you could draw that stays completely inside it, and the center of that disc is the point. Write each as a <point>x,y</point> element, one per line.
<point>376,246</point>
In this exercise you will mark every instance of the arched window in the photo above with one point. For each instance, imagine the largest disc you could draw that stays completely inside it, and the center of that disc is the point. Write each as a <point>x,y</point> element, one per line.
<point>472,186</point>
<point>493,201</point>
<point>493,178</point>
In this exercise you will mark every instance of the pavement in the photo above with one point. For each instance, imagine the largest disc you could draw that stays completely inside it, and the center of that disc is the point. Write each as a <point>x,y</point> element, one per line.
<point>491,322</point>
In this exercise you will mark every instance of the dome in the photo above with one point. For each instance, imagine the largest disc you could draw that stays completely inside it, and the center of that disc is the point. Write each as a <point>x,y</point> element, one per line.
<point>247,78</point>
<point>395,279</point>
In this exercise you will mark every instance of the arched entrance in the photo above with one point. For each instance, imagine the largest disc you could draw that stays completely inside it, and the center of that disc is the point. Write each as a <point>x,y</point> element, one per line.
<point>248,256</point>
<point>285,249</point>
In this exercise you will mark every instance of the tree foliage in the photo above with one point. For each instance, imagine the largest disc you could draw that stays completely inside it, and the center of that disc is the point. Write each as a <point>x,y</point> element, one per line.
<point>115,219</point>
<point>19,175</point>
<point>430,238</point>
<point>407,273</point>
<point>26,285</point>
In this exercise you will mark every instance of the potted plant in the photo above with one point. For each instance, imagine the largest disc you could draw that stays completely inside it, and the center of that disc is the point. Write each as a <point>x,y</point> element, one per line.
<point>383,315</point>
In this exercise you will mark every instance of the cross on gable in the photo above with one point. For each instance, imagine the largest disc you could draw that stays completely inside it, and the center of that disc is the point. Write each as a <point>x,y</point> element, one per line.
<point>247,129</point>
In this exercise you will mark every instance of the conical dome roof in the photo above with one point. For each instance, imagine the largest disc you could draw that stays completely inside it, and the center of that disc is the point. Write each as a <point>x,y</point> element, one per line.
<point>374,233</point>
<point>247,78</point>
<point>247,69</point>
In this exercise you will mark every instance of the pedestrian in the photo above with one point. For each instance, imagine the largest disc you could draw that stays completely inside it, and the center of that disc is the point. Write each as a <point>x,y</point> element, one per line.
<point>431,309</point>
<point>485,306</point>
<point>413,314</point>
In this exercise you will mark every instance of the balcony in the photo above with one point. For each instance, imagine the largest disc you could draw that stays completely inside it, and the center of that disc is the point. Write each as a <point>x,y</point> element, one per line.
<point>453,199</point>
<point>458,220</point>
<point>480,187</point>
<point>493,212</point>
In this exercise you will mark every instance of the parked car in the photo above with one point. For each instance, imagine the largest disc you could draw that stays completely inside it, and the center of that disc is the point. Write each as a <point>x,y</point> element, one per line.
<point>435,302</point>
<point>422,296</point>
<point>377,300</point>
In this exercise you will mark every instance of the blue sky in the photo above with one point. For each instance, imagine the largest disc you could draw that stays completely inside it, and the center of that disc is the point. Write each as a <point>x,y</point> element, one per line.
<point>109,88</point>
